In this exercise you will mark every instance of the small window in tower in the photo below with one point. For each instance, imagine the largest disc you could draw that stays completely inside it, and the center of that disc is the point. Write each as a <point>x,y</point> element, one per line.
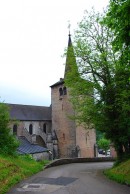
<point>63,136</point>
<point>44,127</point>
<point>31,129</point>
<point>64,91</point>
<point>60,91</point>
<point>15,129</point>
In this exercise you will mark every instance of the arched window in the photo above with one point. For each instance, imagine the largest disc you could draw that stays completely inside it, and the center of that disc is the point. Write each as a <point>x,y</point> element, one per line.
<point>31,129</point>
<point>15,129</point>
<point>64,91</point>
<point>44,127</point>
<point>60,91</point>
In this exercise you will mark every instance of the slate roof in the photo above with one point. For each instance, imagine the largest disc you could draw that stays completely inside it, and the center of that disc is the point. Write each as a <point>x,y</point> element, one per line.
<point>27,148</point>
<point>29,112</point>
<point>61,81</point>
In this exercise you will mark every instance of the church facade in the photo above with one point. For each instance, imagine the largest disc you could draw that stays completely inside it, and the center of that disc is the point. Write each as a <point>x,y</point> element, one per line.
<point>51,127</point>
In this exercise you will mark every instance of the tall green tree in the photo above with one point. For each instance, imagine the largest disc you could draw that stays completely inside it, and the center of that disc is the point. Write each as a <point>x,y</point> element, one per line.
<point>101,90</point>
<point>8,143</point>
<point>118,19</point>
<point>104,144</point>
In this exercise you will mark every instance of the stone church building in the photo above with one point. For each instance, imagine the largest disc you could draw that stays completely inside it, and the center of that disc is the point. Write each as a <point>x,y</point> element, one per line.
<point>50,129</point>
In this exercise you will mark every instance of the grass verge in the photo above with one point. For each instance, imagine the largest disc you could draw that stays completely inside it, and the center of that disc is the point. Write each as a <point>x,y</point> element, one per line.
<point>120,173</point>
<point>15,169</point>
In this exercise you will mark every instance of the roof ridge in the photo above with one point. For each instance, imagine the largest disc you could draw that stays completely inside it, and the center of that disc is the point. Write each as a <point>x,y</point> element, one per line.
<point>27,105</point>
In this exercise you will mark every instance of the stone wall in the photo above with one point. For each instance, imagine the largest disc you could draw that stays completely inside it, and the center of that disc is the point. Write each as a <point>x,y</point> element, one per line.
<point>41,156</point>
<point>113,151</point>
<point>73,141</point>
<point>38,135</point>
<point>78,160</point>
<point>85,139</point>
<point>63,125</point>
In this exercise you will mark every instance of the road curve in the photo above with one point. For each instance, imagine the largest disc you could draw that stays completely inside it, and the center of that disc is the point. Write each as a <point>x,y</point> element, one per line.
<point>77,178</point>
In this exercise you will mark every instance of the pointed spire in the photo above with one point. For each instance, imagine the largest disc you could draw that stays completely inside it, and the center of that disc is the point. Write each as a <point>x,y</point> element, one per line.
<point>69,41</point>
<point>70,57</point>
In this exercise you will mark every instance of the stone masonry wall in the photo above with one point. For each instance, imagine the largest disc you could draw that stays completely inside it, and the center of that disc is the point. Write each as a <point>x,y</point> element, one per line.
<point>69,135</point>
<point>64,126</point>
<point>23,130</point>
<point>86,139</point>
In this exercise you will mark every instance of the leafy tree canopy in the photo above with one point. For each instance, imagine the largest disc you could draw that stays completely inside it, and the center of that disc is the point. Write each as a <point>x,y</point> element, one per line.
<point>118,19</point>
<point>100,90</point>
<point>8,143</point>
<point>104,144</point>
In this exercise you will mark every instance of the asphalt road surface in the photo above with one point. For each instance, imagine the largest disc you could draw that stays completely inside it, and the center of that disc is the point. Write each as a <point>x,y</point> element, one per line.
<point>77,178</point>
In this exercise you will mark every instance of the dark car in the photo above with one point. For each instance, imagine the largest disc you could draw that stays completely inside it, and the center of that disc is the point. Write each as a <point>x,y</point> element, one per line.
<point>101,151</point>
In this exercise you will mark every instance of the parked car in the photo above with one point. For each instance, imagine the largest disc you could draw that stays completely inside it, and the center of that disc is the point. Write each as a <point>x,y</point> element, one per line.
<point>101,151</point>
<point>108,152</point>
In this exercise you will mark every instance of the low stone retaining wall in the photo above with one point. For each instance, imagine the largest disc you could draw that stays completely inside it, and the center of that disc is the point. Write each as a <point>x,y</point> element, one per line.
<point>78,160</point>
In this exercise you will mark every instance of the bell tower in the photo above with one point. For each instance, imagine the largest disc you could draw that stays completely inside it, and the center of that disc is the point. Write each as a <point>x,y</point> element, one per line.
<point>61,112</point>
<point>73,140</point>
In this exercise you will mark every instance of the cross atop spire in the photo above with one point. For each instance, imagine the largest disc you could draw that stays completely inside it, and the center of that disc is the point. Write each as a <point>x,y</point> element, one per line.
<point>69,25</point>
<point>69,40</point>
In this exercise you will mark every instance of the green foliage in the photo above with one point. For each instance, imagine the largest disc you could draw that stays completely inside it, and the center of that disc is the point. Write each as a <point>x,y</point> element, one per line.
<point>8,142</point>
<point>99,135</point>
<point>100,91</point>
<point>120,172</point>
<point>118,19</point>
<point>104,144</point>
<point>15,169</point>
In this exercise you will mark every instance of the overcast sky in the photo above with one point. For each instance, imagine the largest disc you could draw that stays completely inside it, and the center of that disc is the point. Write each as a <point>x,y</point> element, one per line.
<point>33,36</point>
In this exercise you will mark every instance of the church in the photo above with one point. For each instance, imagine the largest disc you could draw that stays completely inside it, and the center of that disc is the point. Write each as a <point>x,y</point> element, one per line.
<point>48,132</point>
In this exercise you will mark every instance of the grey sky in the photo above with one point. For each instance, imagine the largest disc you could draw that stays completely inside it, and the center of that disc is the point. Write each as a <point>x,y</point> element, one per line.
<point>33,35</point>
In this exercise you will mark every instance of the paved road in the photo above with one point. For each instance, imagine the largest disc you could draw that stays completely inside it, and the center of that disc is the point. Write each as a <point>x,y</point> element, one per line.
<point>79,178</point>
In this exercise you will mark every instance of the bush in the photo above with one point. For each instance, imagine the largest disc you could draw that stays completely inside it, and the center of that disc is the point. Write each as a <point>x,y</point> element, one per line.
<point>8,143</point>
